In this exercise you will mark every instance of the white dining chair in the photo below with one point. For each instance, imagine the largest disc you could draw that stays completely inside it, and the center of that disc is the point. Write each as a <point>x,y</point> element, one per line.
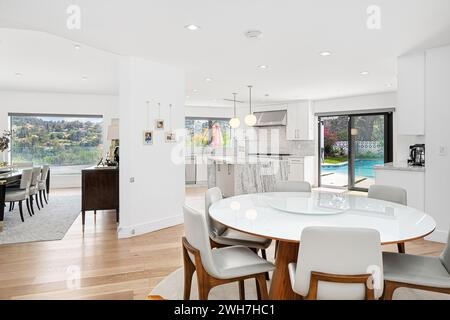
<point>223,236</point>
<point>417,272</point>
<point>338,264</point>
<point>22,193</point>
<point>391,194</point>
<point>292,186</point>
<point>218,266</point>
<point>34,188</point>
<point>42,184</point>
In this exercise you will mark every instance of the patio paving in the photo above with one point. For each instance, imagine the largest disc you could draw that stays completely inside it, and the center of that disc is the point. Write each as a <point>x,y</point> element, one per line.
<point>341,180</point>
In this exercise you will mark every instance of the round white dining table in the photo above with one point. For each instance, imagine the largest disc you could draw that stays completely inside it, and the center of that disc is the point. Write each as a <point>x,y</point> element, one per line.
<point>283,215</point>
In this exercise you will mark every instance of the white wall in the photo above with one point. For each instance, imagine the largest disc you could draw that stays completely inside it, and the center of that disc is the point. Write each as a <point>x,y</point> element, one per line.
<point>155,199</point>
<point>437,115</point>
<point>209,112</point>
<point>59,103</point>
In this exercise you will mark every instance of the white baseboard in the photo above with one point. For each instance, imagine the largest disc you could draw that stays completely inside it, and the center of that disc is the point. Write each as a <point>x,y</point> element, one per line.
<point>438,236</point>
<point>131,231</point>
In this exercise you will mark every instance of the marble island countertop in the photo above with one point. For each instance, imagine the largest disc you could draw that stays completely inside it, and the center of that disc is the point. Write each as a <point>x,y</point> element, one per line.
<point>399,166</point>
<point>243,160</point>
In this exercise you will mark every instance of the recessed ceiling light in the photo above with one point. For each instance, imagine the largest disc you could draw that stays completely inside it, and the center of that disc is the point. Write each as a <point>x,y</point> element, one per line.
<point>195,90</point>
<point>389,85</point>
<point>18,74</point>
<point>263,66</point>
<point>325,53</point>
<point>192,27</point>
<point>364,73</point>
<point>77,47</point>
<point>208,79</point>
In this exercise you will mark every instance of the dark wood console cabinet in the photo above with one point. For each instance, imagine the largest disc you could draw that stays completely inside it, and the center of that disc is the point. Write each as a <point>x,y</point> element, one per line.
<point>100,190</point>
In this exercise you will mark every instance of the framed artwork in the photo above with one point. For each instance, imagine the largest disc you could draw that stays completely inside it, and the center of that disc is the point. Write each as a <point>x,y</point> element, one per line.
<point>159,124</point>
<point>171,137</point>
<point>148,138</point>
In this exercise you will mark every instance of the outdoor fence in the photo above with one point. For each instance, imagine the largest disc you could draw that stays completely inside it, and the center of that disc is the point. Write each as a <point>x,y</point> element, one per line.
<point>362,146</point>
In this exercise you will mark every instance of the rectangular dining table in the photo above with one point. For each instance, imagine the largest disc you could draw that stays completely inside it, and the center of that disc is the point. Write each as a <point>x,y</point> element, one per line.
<point>10,178</point>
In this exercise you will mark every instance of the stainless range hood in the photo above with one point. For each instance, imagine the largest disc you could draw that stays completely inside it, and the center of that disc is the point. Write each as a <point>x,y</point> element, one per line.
<point>271,118</point>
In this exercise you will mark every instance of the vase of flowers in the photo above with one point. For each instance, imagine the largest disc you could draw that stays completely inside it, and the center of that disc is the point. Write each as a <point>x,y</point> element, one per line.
<point>5,139</point>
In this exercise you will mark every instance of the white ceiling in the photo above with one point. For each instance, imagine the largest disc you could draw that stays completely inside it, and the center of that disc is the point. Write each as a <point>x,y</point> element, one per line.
<point>294,33</point>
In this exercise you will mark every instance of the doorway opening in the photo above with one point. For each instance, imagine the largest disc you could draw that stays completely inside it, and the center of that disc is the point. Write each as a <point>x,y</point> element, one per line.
<point>350,146</point>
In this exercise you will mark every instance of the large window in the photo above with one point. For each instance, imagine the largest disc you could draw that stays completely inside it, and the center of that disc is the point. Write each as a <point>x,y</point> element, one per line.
<point>213,133</point>
<point>66,143</point>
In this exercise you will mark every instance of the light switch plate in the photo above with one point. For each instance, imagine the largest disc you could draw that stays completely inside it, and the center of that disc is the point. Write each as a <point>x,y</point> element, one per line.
<point>443,151</point>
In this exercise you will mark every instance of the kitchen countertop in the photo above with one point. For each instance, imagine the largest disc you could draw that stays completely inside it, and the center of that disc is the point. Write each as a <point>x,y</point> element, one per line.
<point>399,166</point>
<point>246,160</point>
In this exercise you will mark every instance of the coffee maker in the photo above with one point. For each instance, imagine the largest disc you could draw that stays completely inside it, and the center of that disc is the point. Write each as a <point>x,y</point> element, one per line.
<point>417,155</point>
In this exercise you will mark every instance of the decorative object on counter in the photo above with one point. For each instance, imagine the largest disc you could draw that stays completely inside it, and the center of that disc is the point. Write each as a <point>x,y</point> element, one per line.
<point>235,122</point>
<point>4,145</point>
<point>159,123</point>
<point>170,135</point>
<point>148,137</point>
<point>417,155</point>
<point>250,119</point>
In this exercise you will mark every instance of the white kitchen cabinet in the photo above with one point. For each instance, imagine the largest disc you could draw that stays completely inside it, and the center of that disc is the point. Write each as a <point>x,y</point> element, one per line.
<point>300,121</point>
<point>411,94</point>
<point>412,181</point>
<point>301,169</point>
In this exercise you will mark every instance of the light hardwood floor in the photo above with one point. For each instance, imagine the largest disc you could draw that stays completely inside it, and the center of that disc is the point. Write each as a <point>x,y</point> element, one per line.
<point>108,268</point>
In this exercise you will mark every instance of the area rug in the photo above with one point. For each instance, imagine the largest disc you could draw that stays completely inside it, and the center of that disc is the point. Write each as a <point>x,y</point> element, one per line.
<point>171,288</point>
<point>49,223</point>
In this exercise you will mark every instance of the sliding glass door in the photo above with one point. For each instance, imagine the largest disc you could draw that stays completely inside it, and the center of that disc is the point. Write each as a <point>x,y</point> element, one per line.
<point>350,146</point>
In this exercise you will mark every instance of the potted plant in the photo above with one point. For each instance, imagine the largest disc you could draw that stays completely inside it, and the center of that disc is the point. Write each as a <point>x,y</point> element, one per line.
<point>4,146</point>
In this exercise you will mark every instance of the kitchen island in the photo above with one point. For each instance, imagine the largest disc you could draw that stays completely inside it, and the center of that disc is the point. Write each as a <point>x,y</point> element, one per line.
<point>235,176</point>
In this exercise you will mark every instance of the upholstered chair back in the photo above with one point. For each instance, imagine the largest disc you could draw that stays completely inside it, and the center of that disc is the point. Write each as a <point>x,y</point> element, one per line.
<point>339,251</point>
<point>213,195</point>
<point>197,235</point>
<point>388,193</point>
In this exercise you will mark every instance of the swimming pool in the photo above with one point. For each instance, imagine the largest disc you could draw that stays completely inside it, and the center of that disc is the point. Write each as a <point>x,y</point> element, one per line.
<point>363,168</point>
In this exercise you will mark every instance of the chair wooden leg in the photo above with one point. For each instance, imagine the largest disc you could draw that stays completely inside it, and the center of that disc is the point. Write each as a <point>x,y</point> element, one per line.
<point>45,196</point>
<point>40,198</point>
<point>189,269</point>
<point>401,247</point>
<point>241,290</point>
<point>37,201</point>
<point>276,249</point>
<point>389,289</point>
<point>258,289</point>
<point>83,217</point>
<point>10,206</point>
<point>261,280</point>
<point>21,211</point>
<point>264,255</point>
<point>32,205</point>
<point>13,205</point>
<point>203,290</point>
<point>28,207</point>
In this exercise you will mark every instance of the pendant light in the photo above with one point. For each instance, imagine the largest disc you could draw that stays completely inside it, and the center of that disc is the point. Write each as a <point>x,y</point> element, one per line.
<point>235,122</point>
<point>250,119</point>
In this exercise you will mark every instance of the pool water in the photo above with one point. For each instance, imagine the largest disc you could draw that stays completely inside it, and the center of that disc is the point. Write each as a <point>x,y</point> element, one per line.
<point>363,168</point>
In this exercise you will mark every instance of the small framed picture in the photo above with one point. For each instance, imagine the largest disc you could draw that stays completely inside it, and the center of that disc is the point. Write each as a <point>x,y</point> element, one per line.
<point>159,124</point>
<point>148,138</point>
<point>171,137</point>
